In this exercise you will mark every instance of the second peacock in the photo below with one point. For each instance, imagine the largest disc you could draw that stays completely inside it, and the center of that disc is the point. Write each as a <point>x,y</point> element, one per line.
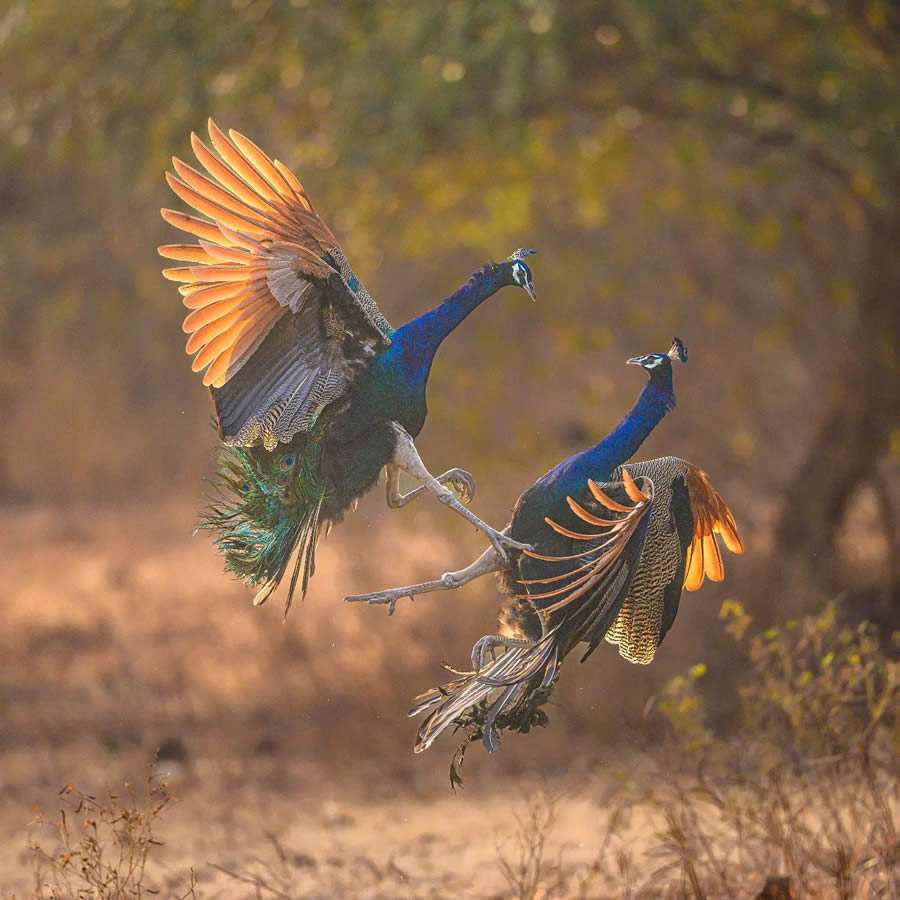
<point>613,548</point>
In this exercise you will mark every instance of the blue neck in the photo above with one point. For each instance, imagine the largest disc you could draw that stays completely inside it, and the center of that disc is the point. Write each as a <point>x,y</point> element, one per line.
<point>394,386</point>
<point>655,400</point>
<point>420,338</point>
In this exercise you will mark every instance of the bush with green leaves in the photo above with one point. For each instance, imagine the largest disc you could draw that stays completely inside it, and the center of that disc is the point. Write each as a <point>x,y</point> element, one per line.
<point>806,786</point>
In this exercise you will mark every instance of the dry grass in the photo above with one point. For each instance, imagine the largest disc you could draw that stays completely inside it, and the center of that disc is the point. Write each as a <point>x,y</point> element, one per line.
<point>802,799</point>
<point>101,845</point>
<point>526,869</point>
<point>295,776</point>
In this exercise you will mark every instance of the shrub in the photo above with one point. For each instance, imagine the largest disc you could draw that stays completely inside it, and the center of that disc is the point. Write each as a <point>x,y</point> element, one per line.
<point>806,786</point>
<point>102,845</point>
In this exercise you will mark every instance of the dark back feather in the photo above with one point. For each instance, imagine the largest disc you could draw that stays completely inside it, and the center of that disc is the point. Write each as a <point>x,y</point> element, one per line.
<point>575,596</point>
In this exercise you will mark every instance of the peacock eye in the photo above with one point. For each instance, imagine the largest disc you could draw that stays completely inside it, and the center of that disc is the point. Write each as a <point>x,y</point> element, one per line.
<point>287,462</point>
<point>245,486</point>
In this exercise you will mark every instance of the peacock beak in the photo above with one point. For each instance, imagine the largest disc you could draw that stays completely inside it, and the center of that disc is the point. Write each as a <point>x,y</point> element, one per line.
<point>529,287</point>
<point>635,361</point>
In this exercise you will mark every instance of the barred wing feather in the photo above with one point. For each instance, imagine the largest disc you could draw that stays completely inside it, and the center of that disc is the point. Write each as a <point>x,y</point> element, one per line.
<point>681,550</point>
<point>577,603</point>
<point>278,319</point>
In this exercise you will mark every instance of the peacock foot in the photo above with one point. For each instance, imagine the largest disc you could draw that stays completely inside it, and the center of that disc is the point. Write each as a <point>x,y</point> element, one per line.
<point>489,643</point>
<point>462,481</point>
<point>383,597</point>
<point>503,542</point>
<point>447,581</point>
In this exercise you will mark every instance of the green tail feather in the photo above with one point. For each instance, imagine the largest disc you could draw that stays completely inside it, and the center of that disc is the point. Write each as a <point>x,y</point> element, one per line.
<point>269,505</point>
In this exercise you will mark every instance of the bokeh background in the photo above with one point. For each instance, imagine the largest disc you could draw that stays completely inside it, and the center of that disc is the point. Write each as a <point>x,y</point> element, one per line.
<point>727,172</point>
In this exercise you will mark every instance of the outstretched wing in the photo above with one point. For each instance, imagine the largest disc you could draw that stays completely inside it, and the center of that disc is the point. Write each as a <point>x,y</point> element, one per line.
<point>576,603</point>
<point>278,319</point>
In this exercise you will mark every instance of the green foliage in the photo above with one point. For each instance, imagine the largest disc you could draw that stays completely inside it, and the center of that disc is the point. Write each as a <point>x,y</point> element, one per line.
<point>817,686</point>
<point>421,129</point>
<point>367,80</point>
<point>827,687</point>
<point>684,709</point>
<point>807,785</point>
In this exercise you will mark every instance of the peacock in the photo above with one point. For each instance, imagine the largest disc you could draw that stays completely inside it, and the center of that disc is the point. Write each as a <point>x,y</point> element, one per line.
<point>314,392</point>
<point>612,549</point>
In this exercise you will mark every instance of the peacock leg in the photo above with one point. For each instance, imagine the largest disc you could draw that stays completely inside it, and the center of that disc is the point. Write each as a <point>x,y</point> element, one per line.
<point>407,458</point>
<point>488,562</point>
<point>461,480</point>
<point>486,645</point>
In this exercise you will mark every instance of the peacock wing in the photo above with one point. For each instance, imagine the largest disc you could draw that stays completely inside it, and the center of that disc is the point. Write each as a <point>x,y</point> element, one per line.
<point>711,517</point>
<point>278,319</point>
<point>680,550</point>
<point>575,596</point>
<point>579,595</point>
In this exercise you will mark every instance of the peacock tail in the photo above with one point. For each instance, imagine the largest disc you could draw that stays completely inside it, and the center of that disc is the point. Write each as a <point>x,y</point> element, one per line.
<point>268,505</point>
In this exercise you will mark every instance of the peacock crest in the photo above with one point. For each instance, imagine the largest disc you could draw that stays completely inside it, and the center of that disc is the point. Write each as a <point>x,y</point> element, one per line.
<point>521,253</point>
<point>677,350</point>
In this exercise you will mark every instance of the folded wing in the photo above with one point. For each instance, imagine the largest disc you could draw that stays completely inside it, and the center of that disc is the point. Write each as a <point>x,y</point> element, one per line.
<point>681,550</point>
<point>581,593</point>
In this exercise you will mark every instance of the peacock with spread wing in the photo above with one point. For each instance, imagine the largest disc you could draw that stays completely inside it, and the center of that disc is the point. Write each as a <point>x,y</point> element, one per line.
<point>612,549</point>
<point>314,392</point>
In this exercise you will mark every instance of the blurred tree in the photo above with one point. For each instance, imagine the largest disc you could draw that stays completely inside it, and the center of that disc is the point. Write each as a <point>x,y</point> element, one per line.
<point>483,109</point>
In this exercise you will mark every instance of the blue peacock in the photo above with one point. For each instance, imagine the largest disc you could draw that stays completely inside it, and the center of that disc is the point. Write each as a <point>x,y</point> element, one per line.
<point>612,550</point>
<point>314,392</point>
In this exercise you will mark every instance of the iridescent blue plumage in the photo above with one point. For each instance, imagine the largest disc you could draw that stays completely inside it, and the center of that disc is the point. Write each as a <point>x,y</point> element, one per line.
<point>314,392</point>
<point>392,391</point>
<point>547,497</point>
<point>612,548</point>
<point>394,384</point>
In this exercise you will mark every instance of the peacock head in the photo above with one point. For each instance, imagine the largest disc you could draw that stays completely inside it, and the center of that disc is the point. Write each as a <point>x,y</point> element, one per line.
<point>659,365</point>
<point>520,273</point>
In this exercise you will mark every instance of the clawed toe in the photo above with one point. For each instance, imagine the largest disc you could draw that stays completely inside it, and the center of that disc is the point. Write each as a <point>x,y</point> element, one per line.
<point>502,543</point>
<point>479,653</point>
<point>498,544</point>
<point>384,597</point>
<point>516,545</point>
<point>482,648</point>
<point>463,483</point>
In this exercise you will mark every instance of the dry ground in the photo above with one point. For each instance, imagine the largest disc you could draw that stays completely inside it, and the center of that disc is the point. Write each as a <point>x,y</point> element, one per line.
<point>121,633</point>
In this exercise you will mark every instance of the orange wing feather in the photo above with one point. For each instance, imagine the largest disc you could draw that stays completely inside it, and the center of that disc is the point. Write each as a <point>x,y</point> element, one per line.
<point>711,517</point>
<point>594,566</point>
<point>255,206</point>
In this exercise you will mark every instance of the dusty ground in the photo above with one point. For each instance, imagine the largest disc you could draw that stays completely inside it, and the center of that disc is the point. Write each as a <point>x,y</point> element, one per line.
<point>121,634</point>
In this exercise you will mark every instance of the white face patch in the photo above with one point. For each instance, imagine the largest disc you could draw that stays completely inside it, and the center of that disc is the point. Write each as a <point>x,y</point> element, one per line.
<point>652,362</point>
<point>519,273</point>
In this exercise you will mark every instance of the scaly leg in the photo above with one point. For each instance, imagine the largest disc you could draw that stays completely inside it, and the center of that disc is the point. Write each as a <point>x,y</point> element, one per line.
<point>407,458</point>
<point>489,561</point>
<point>486,645</point>
<point>459,478</point>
